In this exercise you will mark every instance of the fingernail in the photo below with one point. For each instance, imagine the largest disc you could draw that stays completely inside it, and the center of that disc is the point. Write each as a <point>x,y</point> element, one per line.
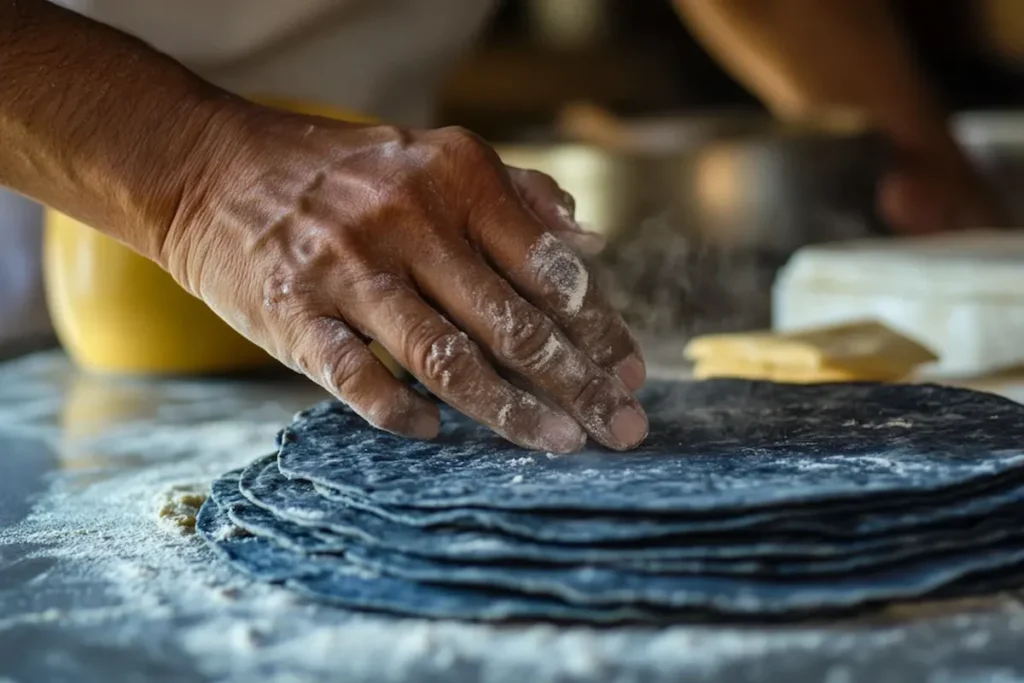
<point>628,427</point>
<point>425,426</point>
<point>632,372</point>
<point>561,433</point>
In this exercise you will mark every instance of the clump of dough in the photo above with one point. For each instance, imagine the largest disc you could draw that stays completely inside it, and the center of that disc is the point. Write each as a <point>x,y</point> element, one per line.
<point>177,507</point>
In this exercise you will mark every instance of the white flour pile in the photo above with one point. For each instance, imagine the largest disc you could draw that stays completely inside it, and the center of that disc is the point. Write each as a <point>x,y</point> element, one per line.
<point>161,605</point>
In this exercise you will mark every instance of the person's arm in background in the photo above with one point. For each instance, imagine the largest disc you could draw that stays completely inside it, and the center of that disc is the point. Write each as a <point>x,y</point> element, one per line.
<point>311,236</point>
<point>806,57</point>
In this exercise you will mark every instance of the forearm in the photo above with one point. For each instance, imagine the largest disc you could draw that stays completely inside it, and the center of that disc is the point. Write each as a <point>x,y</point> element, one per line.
<point>97,124</point>
<point>803,57</point>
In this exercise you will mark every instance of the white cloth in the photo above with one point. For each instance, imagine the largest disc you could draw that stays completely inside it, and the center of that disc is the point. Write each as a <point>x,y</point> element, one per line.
<point>381,57</point>
<point>384,57</point>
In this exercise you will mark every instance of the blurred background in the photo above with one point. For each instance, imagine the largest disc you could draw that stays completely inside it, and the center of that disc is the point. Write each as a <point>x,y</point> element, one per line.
<point>704,197</point>
<point>637,58</point>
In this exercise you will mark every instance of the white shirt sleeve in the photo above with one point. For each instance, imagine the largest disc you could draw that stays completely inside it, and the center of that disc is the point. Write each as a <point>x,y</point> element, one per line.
<point>207,33</point>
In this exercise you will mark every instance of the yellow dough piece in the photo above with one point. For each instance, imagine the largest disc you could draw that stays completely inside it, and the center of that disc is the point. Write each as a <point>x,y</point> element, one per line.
<point>862,350</point>
<point>115,311</point>
<point>788,375</point>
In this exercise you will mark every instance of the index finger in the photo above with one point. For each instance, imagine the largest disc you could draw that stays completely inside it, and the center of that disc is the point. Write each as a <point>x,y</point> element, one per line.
<point>552,277</point>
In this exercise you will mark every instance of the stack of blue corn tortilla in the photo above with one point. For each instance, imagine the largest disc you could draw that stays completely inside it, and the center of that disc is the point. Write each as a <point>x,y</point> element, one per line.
<point>750,500</point>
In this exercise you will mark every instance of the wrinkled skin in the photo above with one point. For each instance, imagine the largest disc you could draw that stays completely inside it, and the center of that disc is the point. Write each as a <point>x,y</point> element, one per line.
<point>313,237</point>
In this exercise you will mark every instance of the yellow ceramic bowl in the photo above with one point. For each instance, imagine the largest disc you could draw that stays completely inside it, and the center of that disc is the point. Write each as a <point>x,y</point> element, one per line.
<point>116,312</point>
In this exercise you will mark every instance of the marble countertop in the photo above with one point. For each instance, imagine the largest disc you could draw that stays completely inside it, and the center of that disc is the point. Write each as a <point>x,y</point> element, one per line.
<point>96,586</point>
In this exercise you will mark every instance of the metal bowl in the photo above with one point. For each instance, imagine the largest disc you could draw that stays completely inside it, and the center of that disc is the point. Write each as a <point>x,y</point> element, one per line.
<point>697,231</point>
<point>743,180</point>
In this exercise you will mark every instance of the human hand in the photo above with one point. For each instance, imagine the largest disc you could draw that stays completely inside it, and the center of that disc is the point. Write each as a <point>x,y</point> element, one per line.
<point>313,237</point>
<point>937,189</point>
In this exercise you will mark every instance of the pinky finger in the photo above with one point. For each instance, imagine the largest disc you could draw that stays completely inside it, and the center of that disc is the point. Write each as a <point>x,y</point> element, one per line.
<point>344,365</point>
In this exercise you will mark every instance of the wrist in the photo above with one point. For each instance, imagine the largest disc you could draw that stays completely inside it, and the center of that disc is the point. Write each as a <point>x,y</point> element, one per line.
<point>213,134</point>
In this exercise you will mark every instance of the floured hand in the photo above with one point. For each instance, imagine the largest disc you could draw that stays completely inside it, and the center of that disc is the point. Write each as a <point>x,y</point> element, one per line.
<point>313,237</point>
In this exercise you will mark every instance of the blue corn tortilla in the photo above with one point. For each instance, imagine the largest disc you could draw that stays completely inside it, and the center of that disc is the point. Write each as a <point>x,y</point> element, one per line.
<point>715,447</point>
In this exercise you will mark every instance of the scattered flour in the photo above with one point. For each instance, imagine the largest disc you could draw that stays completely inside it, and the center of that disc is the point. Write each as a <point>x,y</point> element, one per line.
<point>504,414</point>
<point>888,424</point>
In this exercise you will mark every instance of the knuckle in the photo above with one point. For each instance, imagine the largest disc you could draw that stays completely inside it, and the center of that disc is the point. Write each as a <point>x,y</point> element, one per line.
<point>609,345</point>
<point>343,369</point>
<point>299,361</point>
<point>592,400</point>
<point>315,247</point>
<point>287,301</point>
<point>465,145</point>
<point>532,343</point>
<point>458,133</point>
<point>327,351</point>
<point>418,337</point>
<point>291,331</point>
<point>395,135</point>
<point>280,289</point>
<point>603,336</point>
<point>392,140</point>
<point>444,358</point>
